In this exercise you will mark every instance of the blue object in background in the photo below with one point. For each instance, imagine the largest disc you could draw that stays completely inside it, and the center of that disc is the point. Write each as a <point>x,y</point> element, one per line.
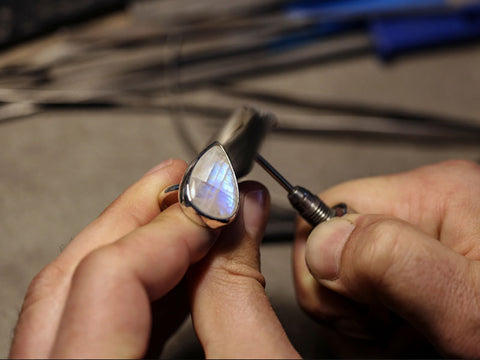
<point>405,34</point>
<point>393,34</point>
<point>315,33</point>
<point>353,8</point>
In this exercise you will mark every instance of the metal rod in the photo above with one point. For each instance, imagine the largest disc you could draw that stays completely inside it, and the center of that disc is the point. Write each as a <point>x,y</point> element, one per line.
<point>274,173</point>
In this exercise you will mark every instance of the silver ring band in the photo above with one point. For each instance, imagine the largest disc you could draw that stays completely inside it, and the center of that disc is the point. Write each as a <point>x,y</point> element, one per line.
<point>168,196</point>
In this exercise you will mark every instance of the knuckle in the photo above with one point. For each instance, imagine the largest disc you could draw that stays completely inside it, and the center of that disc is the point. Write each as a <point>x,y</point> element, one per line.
<point>305,302</point>
<point>380,249</point>
<point>460,172</point>
<point>126,211</point>
<point>322,305</point>
<point>461,165</point>
<point>45,282</point>
<point>50,273</point>
<point>449,174</point>
<point>237,273</point>
<point>103,260</point>
<point>308,298</point>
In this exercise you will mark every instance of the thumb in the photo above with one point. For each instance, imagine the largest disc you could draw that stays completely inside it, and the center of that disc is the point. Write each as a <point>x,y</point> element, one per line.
<point>231,313</point>
<point>379,259</point>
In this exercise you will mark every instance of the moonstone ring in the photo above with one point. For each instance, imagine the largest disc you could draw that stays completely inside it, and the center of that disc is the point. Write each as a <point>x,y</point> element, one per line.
<point>208,191</point>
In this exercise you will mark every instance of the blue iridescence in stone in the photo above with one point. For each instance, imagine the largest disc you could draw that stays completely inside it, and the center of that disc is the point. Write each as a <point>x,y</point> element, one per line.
<point>213,186</point>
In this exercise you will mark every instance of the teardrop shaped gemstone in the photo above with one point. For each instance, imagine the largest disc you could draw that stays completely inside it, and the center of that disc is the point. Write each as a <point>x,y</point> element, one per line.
<point>212,186</point>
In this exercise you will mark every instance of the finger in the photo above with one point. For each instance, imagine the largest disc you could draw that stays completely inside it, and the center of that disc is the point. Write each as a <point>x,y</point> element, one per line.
<point>321,303</point>
<point>380,259</point>
<point>137,206</point>
<point>370,195</point>
<point>107,313</point>
<point>421,197</point>
<point>168,314</point>
<point>231,312</point>
<point>428,197</point>
<point>347,317</point>
<point>47,293</point>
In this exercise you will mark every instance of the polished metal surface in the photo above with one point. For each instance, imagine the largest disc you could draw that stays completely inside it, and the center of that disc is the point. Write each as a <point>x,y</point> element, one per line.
<point>168,196</point>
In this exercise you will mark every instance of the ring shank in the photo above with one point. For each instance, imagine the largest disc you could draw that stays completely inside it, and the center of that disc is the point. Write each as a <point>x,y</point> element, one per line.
<point>168,196</point>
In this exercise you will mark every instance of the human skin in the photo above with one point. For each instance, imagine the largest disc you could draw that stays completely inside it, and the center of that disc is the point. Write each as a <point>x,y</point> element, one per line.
<point>416,258</point>
<point>408,265</point>
<point>97,298</point>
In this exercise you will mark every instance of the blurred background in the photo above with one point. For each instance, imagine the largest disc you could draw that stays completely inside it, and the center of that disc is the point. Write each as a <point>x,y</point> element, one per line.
<point>94,93</point>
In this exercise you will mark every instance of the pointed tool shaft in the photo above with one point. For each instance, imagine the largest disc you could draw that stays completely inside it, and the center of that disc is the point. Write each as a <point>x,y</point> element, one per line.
<point>308,205</point>
<point>274,173</point>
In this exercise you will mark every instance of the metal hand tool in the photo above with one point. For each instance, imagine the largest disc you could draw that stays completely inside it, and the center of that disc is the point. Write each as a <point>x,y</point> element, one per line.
<point>307,204</point>
<point>242,136</point>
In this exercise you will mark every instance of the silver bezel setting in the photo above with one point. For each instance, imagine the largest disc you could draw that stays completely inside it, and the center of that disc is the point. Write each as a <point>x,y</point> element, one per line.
<point>189,207</point>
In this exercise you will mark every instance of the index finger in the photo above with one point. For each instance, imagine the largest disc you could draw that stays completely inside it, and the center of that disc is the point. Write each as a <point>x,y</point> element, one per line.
<point>135,207</point>
<point>46,296</point>
<point>107,313</point>
<point>439,199</point>
<point>436,198</point>
<point>405,195</point>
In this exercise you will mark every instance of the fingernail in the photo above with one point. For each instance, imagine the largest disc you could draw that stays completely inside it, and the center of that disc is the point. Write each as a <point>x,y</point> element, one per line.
<point>253,211</point>
<point>324,248</point>
<point>162,165</point>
